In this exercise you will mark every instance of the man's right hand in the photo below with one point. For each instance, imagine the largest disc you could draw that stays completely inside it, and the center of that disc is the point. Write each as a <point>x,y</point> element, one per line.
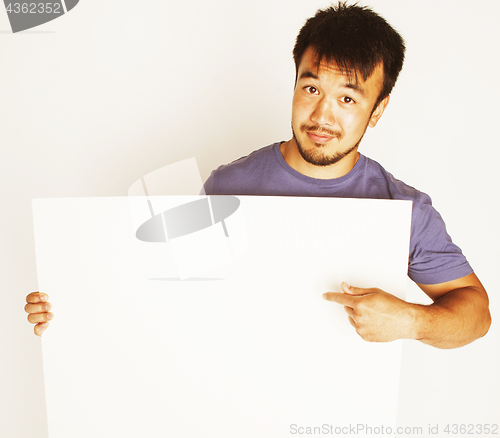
<point>38,308</point>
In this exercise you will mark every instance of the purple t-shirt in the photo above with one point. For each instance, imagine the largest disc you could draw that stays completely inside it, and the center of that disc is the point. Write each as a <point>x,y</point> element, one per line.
<point>434,258</point>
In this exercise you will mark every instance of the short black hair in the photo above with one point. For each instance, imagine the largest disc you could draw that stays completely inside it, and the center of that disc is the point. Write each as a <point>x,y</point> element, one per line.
<point>356,39</point>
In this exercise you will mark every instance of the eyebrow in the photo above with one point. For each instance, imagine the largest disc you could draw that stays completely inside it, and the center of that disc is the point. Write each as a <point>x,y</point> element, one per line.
<point>351,85</point>
<point>355,87</point>
<point>308,74</point>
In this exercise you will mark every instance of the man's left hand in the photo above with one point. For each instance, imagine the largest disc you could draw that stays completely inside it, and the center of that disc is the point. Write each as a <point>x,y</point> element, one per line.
<point>376,315</point>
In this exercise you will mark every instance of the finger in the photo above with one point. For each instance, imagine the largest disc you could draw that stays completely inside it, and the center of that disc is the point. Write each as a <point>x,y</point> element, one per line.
<point>38,308</point>
<point>40,328</point>
<point>353,323</point>
<point>37,297</point>
<point>35,318</point>
<point>351,290</point>
<point>338,297</point>
<point>349,311</point>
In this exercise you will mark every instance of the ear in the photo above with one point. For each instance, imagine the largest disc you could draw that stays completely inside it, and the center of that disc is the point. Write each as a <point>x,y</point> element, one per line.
<point>374,118</point>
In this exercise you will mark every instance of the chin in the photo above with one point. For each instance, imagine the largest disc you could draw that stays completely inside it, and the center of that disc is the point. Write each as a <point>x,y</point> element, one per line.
<point>317,157</point>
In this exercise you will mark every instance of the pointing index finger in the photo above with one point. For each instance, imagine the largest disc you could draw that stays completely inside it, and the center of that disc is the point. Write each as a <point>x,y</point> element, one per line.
<point>340,298</point>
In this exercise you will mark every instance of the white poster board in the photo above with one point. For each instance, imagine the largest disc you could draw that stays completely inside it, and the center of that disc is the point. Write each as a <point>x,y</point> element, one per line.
<point>249,349</point>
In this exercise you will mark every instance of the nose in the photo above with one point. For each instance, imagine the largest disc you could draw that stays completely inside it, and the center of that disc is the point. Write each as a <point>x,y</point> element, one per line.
<point>322,114</point>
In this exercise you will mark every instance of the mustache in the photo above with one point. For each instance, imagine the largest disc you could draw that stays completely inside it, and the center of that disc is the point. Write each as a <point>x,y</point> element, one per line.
<point>319,130</point>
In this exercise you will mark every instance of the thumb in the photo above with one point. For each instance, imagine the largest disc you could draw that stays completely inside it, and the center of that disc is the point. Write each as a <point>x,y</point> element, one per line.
<point>351,290</point>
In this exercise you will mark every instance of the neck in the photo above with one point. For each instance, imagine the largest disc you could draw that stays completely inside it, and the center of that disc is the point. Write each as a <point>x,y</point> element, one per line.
<point>294,159</point>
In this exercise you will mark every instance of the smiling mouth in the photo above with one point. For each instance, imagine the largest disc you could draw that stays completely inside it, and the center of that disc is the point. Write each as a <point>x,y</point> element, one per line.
<point>319,137</point>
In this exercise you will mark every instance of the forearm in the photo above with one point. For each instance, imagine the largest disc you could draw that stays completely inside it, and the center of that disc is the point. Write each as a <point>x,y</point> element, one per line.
<point>456,319</point>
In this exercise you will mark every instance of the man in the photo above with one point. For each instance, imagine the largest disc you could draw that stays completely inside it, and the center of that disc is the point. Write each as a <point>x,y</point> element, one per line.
<point>347,61</point>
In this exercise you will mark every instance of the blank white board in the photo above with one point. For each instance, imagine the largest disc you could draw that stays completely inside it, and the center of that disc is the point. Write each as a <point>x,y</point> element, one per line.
<point>248,349</point>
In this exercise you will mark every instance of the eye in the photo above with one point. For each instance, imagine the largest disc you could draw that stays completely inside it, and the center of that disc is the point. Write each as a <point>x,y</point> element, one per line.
<point>347,99</point>
<point>311,90</point>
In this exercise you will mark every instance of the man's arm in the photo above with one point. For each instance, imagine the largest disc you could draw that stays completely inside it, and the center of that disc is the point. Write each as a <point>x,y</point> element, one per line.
<point>458,316</point>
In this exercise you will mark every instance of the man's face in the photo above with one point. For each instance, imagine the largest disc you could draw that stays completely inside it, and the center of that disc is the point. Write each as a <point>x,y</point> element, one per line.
<point>331,110</point>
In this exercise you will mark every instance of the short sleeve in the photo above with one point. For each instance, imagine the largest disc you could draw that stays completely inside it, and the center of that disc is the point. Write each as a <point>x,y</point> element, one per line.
<point>208,187</point>
<point>434,258</point>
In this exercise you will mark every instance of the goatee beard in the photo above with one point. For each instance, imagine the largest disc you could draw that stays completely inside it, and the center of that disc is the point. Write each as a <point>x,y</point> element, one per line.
<point>315,156</point>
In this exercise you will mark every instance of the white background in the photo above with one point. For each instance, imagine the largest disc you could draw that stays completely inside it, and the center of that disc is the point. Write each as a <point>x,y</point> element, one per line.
<point>115,89</point>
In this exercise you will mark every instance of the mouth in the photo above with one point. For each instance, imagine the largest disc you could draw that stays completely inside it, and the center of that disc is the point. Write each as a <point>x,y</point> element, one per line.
<point>320,138</point>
